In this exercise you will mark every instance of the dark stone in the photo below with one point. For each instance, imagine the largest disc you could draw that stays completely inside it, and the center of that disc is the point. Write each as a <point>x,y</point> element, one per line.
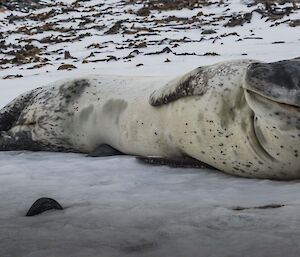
<point>43,204</point>
<point>208,31</point>
<point>21,5</point>
<point>268,206</point>
<point>144,11</point>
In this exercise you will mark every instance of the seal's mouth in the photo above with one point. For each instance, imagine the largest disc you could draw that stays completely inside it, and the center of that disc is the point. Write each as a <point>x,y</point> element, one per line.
<point>282,105</point>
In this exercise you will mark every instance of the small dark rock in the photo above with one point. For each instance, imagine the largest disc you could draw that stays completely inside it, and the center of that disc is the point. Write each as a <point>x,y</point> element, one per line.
<point>278,42</point>
<point>211,54</point>
<point>132,54</point>
<point>21,5</point>
<point>141,45</point>
<point>239,20</point>
<point>165,50</point>
<point>43,204</point>
<point>111,58</point>
<point>268,206</point>
<point>208,31</point>
<point>115,28</point>
<point>67,67</point>
<point>95,45</point>
<point>67,55</point>
<point>144,11</point>
<point>13,76</point>
<point>295,23</point>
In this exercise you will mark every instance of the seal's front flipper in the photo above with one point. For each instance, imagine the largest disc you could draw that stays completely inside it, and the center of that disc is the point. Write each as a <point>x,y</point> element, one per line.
<point>193,83</point>
<point>104,150</point>
<point>185,162</point>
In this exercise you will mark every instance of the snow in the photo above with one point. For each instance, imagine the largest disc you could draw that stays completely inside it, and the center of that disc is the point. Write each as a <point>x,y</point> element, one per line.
<point>117,206</point>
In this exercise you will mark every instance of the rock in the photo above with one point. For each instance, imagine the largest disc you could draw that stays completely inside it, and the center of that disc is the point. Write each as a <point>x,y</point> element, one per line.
<point>132,54</point>
<point>140,45</point>
<point>67,67</point>
<point>111,58</point>
<point>278,42</point>
<point>208,31</point>
<point>13,76</point>
<point>67,55</point>
<point>115,28</point>
<point>95,45</point>
<point>268,206</point>
<point>239,20</point>
<point>211,54</point>
<point>165,50</point>
<point>43,204</point>
<point>144,11</point>
<point>295,23</point>
<point>21,5</point>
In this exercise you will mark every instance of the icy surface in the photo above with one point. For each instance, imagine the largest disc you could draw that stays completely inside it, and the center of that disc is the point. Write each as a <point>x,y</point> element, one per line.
<point>119,207</point>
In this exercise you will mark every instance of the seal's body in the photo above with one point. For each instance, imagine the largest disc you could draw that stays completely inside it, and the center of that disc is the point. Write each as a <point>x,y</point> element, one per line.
<point>217,114</point>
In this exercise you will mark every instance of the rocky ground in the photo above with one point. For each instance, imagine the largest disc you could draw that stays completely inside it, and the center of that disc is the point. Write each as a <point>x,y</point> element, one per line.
<point>34,33</point>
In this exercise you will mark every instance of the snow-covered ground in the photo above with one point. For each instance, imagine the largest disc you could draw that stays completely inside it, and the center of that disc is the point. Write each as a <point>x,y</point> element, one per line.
<point>116,206</point>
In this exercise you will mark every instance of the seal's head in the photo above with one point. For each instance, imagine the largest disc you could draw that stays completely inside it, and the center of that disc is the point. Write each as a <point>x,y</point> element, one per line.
<point>278,81</point>
<point>272,91</point>
<point>274,87</point>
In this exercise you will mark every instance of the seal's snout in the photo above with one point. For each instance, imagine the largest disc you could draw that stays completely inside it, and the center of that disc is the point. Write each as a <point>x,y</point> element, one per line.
<point>278,81</point>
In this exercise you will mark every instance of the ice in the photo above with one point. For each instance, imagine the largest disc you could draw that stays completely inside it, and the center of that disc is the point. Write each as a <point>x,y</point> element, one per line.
<point>118,207</point>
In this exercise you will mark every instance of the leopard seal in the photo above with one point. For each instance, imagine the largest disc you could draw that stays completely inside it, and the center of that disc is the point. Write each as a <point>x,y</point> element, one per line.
<point>241,117</point>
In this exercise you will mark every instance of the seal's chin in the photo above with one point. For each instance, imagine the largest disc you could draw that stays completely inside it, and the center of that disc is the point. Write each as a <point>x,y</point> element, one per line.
<point>266,99</point>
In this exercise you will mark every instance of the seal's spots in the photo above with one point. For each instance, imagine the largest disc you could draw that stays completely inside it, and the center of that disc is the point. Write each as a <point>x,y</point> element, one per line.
<point>72,90</point>
<point>246,127</point>
<point>43,204</point>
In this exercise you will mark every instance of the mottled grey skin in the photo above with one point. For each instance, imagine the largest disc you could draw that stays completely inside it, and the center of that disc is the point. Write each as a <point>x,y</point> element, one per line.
<point>17,119</point>
<point>241,117</point>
